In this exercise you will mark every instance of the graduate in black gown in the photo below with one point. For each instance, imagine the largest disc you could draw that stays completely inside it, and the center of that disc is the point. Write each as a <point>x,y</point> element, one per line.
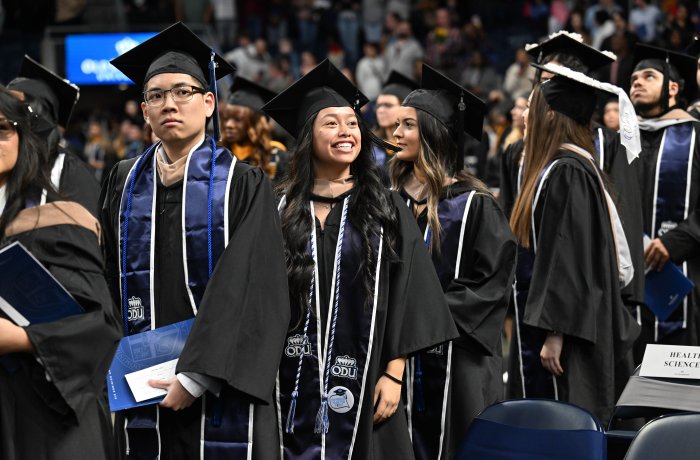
<point>53,401</point>
<point>186,238</point>
<point>565,215</point>
<point>52,99</point>
<point>669,182</point>
<point>363,289</point>
<point>473,251</point>
<point>612,157</point>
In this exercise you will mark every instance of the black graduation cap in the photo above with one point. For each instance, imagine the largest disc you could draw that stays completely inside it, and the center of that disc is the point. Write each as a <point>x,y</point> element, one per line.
<point>399,85</point>
<point>565,95</point>
<point>573,94</point>
<point>57,94</point>
<point>678,67</point>
<point>246,93</point>
<point>590,57</point>
<point>441,97</point>
<point>324,86</point>
<point>175,50</point>
<point>455,107</point>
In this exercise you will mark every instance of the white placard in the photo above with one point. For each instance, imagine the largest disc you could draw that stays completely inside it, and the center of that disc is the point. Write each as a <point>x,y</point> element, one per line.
<point>138,381</point>
<point>671,361</point>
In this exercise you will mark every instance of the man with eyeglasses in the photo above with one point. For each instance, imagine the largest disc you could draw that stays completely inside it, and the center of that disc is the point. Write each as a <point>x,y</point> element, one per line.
<point>188,231</point>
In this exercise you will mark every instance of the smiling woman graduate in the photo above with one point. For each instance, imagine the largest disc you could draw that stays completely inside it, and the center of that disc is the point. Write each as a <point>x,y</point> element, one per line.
<point>363,289</point>
<point>189,231</point>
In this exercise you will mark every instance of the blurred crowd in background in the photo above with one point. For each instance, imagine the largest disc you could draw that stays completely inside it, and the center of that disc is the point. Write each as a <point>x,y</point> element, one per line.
<point>480,44</point>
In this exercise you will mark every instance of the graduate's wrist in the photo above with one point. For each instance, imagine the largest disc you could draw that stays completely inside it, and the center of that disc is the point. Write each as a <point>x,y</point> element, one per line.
<point>16,340</point>
<point>395,367</point>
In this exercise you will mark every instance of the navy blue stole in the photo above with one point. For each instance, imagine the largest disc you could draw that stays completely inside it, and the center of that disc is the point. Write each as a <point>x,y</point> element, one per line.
<point>205,236</point>
<point>321,384</point>
<point>427,388</point>
<point>672,201</point>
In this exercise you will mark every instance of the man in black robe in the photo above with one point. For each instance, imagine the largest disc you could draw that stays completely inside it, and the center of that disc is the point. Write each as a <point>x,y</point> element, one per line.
<point>215,247</point>
<point>52,99</point>
<point>668,177</point>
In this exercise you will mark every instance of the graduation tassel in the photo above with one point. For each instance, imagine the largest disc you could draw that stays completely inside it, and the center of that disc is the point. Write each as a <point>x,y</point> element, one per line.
<point>664,88</point>
<point>459,161</point>
<point>292,411</point>
<point>321,426</point>
<point>418,401</point>
<point>213,89</point>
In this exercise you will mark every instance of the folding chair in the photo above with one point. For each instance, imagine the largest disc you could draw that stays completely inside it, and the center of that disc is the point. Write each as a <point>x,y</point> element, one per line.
<point>532,429</point>
<point>669,437</point>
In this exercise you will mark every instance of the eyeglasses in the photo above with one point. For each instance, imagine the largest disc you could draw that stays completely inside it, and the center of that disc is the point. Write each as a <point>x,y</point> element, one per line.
<point>7,128</point>
<point>156,97</point>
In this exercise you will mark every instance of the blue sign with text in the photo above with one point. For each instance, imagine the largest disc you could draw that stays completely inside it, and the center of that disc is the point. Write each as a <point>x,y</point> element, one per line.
<point>88,56</point>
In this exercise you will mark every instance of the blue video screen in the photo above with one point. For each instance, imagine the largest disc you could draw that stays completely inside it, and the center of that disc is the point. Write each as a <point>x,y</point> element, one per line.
<point>88,56</point>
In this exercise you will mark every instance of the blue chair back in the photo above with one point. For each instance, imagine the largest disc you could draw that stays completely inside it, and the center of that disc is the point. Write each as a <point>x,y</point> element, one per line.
<point>669,437</point>
<point>533,429</point>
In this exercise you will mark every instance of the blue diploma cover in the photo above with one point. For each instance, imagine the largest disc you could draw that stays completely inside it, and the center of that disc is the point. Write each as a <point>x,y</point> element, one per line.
<point>29,294</point>
<point>664,290</point>
<point>140,351</point>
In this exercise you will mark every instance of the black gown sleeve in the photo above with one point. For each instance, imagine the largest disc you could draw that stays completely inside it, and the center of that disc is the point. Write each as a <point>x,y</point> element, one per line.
<point>570,279</point>
<point>239,331</point>
<point>478,298</point>
<point>417,314</point>
<point>75,352</point>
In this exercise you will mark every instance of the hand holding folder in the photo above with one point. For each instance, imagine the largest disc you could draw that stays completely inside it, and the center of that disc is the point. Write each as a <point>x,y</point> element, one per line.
<point>150,354</point>
<point>664,290</point>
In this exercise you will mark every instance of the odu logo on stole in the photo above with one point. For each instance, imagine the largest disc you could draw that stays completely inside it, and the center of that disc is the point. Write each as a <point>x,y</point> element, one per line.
<point>296,345</point>
<point>345,367</point>
<point>135,309</point>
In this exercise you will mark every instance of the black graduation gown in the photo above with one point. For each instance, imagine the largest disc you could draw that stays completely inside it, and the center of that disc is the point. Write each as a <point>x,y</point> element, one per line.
<point>78,183</point>
<point>478,299</point>
<point>238,333</point>
<point>682,242</point>
<point>66,417</point>
<point>624,190</point>
<point>574,288</point>
<point>411,315</point>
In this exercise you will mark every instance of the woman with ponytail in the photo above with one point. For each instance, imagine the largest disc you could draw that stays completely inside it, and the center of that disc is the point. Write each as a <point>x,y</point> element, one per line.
<point>52,375</point>
<point>473,251</point>
<point>577,334</point>
<point>360,277</point>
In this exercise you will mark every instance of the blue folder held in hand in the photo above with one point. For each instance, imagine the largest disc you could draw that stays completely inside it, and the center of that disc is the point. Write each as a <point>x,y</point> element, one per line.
<point>29,294</point>
<point>664,290</point>
<point>140,351</point>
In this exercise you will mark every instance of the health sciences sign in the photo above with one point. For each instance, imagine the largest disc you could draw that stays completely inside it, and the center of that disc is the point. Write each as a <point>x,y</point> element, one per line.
<point>88,56</point>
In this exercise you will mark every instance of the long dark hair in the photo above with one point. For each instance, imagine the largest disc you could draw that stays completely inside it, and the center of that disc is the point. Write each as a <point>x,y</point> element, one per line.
<point>435,159</point>
<point>28,177</point>
<point>547,131</point>
<point>369,210</point>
